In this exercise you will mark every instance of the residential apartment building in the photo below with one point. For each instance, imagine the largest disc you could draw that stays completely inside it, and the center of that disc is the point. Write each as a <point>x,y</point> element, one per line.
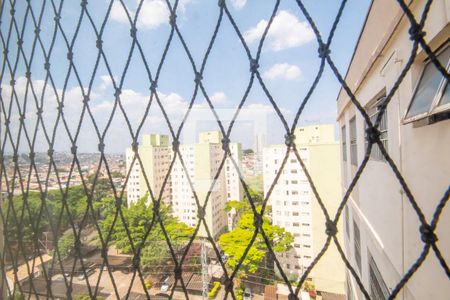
<point>202,160</point>
<point>155,154</point>
<point>295,208</point>
<point>235,191</point>
<point>383,238</point>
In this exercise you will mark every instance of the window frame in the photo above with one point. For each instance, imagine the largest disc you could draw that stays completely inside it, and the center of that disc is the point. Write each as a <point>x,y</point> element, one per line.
<point>435,108</point>
<point>344,142</point>
<point>383,128</point>
<point>353,142</point>
<point>357,245</point>
<point>376,281</point>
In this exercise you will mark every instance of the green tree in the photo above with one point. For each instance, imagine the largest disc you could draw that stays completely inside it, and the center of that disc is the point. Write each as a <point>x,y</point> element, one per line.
<point>66,243</point>
<point>235,242</point>
<point>138,218</point>
<point>257,196</point>
<point>117,174</point>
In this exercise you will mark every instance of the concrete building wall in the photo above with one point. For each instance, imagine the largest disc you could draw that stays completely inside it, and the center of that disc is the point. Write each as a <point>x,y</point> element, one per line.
<point>202,161</point>
<point>295,208</point>
<point>154,153</point>
<point>389,227</point>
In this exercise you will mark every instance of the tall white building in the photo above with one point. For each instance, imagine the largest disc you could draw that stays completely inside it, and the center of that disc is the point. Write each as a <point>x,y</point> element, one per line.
<point>295,208</point>
<point>154,152</point>
<point>202,161</point>
<point>383,238</point>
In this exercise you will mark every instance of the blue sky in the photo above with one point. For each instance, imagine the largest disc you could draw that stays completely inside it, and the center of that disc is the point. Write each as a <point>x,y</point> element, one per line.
<point>288,65</point>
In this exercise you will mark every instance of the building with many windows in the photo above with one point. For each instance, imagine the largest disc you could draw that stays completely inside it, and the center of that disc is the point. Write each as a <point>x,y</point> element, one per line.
<point>202,161</point>
<point>154,153</point>
<point>295,208</point>
<point>382,230</point>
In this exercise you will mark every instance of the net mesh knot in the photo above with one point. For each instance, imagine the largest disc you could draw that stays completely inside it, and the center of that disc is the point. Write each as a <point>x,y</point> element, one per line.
<point>201,213</point>
<point>99,43</point>
<point>104,253</point>
<point>427,234</point>
<point>372,135</point>
<point>73,149</point>
<point>155,208</point>
<point>323,50</point>
<point>331,228</point>
<point>289,139</point>
<point>135,146</point>
<point>173,19</point>
<point>101,146</point>
<point>254,65</point>
<point>198,78</point>
<point>257,220</point>
<point>228,285</point>
<point>292,296</point>
<point>415,32</point>
<point>177,272</point>
<point>31,156</point>
<point>226,144</point>
<point>136,261</point>
<point>133,32</point>
<point>153,86</point>
<point>175,145</point>
<point>118,203</point>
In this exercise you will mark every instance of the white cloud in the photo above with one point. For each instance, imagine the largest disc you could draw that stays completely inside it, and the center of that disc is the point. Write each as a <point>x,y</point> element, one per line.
<point>153,13</point>
<point>105,82</point>
<point>285,32</point>
<point>283,71</point>
<point>238,4</point>
<point>218,98</point>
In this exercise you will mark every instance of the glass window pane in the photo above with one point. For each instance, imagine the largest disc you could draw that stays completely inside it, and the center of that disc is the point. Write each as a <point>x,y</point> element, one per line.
<point>446,97</point>
<point>428,86</point>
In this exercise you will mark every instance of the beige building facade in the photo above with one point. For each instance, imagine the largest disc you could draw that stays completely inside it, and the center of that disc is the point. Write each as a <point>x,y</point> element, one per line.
<point>154,153</point>
<point>295,208</point>
<point>382,236</point>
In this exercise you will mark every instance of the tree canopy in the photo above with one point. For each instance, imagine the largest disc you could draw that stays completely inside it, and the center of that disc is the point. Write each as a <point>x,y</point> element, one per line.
<point>138,218</point>
<point>235,242</point>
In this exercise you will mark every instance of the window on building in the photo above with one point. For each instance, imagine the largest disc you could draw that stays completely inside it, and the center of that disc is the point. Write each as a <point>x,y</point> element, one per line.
<point>295,213</point>
<point>357,245</point>
<point>373,112</point>
<point>432,95</point>
<point>347,222</point>
<point>378,288</point>
<point>353,146</point>
<point>294,171</point>
<point>344,143</point>
<point>349,289</point>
